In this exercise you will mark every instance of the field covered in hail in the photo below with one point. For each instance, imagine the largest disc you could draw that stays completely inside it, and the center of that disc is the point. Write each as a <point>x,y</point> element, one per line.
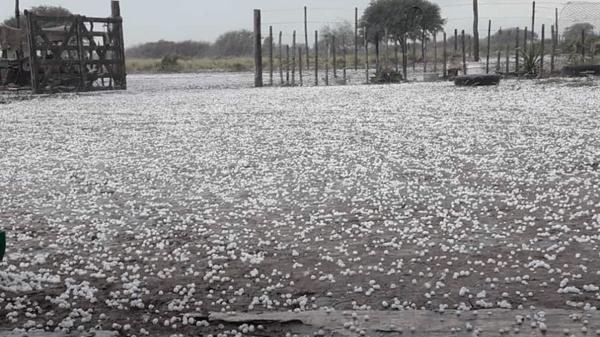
<point>144,211</point>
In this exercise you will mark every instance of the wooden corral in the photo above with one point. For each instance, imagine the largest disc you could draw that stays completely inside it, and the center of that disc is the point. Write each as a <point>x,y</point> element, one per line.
<point>73,53</point>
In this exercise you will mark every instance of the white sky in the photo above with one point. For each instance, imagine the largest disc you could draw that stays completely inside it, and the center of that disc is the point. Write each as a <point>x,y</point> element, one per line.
<point>178,20</point>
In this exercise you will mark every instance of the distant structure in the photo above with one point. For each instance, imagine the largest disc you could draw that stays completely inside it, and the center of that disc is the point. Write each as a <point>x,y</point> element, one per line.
<point>64,54</point>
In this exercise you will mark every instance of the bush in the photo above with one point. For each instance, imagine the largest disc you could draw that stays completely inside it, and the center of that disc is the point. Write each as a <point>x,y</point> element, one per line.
<point>170,63</point>
<point>238,67</point>
<point>387,75</point>
<point>531,62</point>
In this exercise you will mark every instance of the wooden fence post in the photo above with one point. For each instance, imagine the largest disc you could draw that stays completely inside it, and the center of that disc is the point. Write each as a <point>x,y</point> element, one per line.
<point>464,55</point>
<point>376,52</point>
<point>116,14</point>
<point>445,57</point>
<point>525,40</point>
<point>316,57</point>
<point>542,54</point>
<point>300,64</point>
<point>532,24</point>
<point>18,14</point>
<point>287,64</point>
<point>517,49</point>
<point>334,56</point>
<point>327,46</point>
<point>258,82</point>
<point>294,59</point>
<point>434,52</point>
<point>423,56</point>
<point>487,59</point>
<point>404,61</point>
<point>271,55</point>
<point>455,40</point>
<point>498,65</point>
<point>507,59</point>
<point>366,55</point>
<point>280,59</point>
<point>306,38</point>
<point>355,38</point>
<point>553,49</point>
<point>344,49</point>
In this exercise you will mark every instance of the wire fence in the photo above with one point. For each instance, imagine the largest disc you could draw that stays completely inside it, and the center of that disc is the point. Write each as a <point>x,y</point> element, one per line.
<point>329,42</point>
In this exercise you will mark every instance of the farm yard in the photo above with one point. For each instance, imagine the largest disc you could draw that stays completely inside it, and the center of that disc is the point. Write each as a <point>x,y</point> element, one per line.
<point>196,205</point>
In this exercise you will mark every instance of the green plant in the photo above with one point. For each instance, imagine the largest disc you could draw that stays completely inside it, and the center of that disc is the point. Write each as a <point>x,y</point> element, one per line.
<point>170,63</point>
<point>238,67</point>
<point>387,75</point>
<point>531,61</point>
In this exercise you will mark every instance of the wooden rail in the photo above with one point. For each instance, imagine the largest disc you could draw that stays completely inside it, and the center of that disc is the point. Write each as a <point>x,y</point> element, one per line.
<point>78,54</point>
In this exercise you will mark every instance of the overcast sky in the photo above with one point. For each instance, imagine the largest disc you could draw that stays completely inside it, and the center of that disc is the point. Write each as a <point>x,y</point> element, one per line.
<point>199,20</point>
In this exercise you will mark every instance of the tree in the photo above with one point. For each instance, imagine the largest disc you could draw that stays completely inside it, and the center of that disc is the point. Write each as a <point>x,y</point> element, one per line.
<point>395,18</point>
<point>574,32</point>
<point>43,10</point>
<point>234,43</point>
<point>344,36</point>
<point>505,36</point>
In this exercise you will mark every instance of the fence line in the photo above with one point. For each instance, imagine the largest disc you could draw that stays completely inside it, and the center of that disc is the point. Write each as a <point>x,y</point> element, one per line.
<point>502,55</point>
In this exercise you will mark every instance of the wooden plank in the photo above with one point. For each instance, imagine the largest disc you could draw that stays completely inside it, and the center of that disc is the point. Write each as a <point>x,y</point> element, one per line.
<point>33,54</point>
<point>82,67</point>
<point>86,19</point>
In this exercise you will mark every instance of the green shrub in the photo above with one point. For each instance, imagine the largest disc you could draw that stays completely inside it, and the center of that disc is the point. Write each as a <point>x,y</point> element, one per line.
<point>531,62</point>
<point>170,63</point>
<point>387,75</point>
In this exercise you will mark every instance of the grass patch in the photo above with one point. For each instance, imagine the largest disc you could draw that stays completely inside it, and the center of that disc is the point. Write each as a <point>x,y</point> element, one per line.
<point>182,65</point>
<point>177,64</point>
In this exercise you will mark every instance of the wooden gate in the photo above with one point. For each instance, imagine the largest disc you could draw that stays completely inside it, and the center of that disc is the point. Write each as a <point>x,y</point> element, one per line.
<point>76,53</point>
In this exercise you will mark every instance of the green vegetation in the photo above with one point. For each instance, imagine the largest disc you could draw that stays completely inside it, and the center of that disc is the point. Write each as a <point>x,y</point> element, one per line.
<point>180,64</point>
<point>387,75</point>
<point>162,48</point>
<point>395,18</point>
<point>531,61</point>
<point>231,44</point>
<point>44,10</point>
<point>175,64</point>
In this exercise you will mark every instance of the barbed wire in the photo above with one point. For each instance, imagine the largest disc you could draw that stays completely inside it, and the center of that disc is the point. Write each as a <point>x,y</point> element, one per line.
<point>544,14</point>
